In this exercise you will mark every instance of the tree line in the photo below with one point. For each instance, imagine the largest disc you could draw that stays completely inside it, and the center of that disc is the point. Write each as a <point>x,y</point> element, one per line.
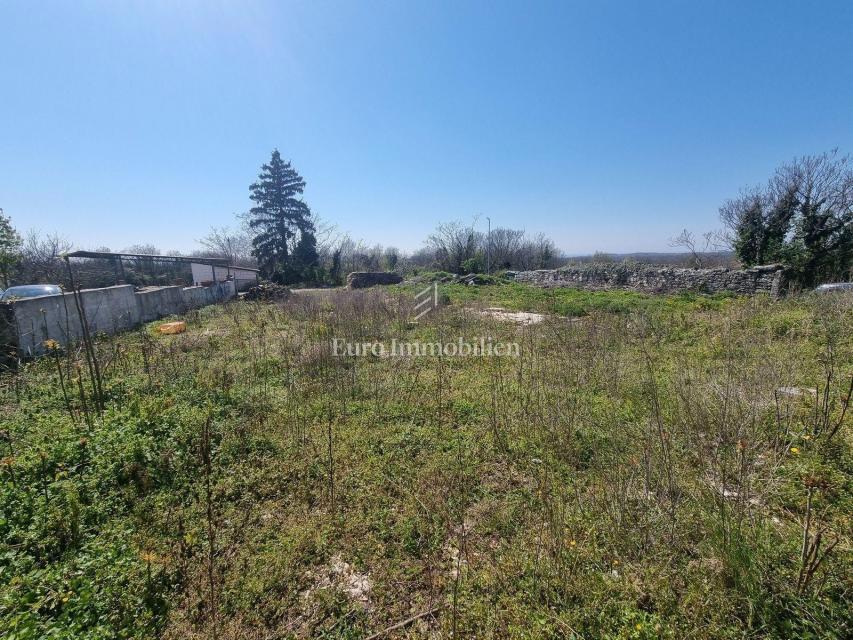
<point>802,218</point>
<point>292,245</point>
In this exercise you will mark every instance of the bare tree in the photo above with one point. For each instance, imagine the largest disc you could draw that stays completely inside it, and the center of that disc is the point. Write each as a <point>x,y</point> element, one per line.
<point>506,245</point>
<point>142,249</point>
<point>452,244</point>
<point>327,236</point>
<point>686,240</point>
<point>602,257</point>
<point>423,258</point>
<point>545,252</point>
<point>233,244</point>
<point>391,258</point>
<point>40,258</point>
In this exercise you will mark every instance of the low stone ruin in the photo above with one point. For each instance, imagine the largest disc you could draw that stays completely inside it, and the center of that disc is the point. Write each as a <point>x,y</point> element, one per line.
<point>645,278</point>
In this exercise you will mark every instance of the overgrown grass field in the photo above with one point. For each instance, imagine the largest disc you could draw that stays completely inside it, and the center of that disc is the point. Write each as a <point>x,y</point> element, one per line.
<point>562,301</point>
<point>673,467</point>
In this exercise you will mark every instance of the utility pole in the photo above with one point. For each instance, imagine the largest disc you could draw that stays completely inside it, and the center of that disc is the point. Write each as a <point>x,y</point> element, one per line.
<point>489,247</point>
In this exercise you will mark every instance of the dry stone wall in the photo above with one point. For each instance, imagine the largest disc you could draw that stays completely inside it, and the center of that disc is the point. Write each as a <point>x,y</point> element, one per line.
<point>767,279</point>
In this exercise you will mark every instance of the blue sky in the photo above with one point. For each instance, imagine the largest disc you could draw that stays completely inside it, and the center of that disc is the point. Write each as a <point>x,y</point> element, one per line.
<point>607,125</point>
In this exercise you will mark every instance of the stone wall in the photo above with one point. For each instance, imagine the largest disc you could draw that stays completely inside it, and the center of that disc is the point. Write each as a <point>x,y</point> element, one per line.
<point>31,321</point>
<point>363,279</point>
<point>655,279</point>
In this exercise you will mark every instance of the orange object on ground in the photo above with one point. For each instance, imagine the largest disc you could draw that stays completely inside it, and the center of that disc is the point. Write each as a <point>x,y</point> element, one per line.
<point>173,327</point>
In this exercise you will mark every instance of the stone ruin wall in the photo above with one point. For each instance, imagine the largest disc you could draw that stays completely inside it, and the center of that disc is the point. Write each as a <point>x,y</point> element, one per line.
<point>767,279</point>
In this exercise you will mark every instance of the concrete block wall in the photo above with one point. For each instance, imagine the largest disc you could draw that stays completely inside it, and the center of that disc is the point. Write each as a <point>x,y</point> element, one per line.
<point>157,302</point>
<point>31,321</point>
<point>195,297</point>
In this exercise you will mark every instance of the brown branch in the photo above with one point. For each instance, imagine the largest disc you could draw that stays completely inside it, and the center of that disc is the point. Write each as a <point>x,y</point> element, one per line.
<point>845,403</point>
<point>405,622</point>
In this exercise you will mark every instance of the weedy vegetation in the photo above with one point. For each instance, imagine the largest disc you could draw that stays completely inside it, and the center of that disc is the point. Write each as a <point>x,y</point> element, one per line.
<point>562,301</point>
<point>673,467</point>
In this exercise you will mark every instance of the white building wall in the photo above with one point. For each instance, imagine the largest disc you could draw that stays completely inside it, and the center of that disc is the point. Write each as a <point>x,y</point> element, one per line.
<point>243,278</point>
<point>202,273</point>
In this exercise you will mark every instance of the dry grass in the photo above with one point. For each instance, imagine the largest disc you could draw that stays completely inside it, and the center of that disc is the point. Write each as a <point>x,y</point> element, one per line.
<point>629,475</point>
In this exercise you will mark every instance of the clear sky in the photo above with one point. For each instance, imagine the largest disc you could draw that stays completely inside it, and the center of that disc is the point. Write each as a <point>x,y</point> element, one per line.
<point>607,125</point>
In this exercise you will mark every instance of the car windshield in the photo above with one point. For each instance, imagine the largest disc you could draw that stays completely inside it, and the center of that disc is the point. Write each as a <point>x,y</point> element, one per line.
<point>30,291</point>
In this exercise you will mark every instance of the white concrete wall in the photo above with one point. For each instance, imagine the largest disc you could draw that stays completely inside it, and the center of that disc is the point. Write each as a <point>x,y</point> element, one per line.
<point>55,317</point>
<point>201,272</point>
<point>107,310</point>
<point>244,278</point>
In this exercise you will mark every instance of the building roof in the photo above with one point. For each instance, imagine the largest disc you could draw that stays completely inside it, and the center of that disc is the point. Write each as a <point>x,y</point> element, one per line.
<point>238,267</point>
<point>229,266</point>
<point>108,255</point>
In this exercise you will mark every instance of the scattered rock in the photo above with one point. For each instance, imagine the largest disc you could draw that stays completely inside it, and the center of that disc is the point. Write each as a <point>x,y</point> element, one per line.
<point>795,392</point>
<point>473,279</point>
<point>520,317</point>
<point>356,585</point>
<point>340,575</point>
<point>730,494</point>
<point>430,278</point>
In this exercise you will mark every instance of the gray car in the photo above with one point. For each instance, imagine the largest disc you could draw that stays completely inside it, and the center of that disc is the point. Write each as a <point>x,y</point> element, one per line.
<point>30,291</point>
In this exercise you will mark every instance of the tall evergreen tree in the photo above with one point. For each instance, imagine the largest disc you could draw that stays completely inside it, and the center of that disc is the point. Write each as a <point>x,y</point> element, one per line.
<point>306,259</point>
<point>278,217</point>
<point>10,248</point>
